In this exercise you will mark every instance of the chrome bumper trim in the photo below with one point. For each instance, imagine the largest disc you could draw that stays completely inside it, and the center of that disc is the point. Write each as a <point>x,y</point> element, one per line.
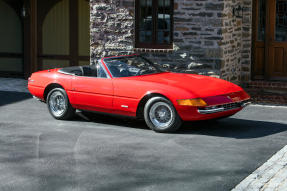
<point>246,104</point>
<point>224,107</point>
<point>209,111</point>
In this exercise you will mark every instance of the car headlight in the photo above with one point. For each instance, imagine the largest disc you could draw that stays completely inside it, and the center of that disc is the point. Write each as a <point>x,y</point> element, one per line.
<point>198,102</point>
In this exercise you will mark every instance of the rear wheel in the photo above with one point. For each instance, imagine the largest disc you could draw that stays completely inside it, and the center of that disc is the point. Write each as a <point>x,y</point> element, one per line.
<point>161,116</point>
<point>59,105</point>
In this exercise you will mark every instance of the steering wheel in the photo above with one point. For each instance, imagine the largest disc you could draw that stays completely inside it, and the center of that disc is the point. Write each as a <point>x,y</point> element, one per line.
<point>141,72</point>
<point>124,72</point>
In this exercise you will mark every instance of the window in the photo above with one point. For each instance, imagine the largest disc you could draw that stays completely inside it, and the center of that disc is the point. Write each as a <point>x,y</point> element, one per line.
<point>101,72</point>
<point>128,66</point>
<point>154,24</point>
<point>262,20</point>
<point>281,20</point>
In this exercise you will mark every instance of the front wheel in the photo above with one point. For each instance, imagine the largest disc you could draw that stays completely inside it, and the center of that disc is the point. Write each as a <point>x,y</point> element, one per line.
<point>161,116</point>
<point>59,105</point>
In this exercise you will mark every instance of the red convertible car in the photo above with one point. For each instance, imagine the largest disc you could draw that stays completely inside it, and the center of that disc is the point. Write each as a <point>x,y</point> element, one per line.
<point>134,86</point>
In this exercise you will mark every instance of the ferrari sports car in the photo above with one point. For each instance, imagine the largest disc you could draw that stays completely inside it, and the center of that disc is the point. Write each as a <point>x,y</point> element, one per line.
<point>134,86</point>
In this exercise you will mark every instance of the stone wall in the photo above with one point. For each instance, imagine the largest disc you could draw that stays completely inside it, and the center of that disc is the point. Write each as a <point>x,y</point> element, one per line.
<point>232,42</point>
<point>246,41</point>
<point>237,36</point>
<point>208,39</point>
<point>112,27</point>
<point>197,37</point>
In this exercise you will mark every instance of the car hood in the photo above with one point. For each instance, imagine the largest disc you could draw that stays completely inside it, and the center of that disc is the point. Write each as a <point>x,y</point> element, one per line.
<point>198,85</point>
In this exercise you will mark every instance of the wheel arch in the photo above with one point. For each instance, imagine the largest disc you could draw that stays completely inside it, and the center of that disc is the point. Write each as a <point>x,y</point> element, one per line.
<point>49,88</point>
<point>143,101</point>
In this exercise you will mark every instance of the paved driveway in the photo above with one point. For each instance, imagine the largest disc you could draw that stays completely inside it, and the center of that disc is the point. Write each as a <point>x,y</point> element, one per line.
<point>108,153</point>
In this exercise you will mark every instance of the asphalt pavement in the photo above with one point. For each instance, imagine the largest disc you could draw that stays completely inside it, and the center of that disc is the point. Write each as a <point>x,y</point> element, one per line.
<point>98,152</point>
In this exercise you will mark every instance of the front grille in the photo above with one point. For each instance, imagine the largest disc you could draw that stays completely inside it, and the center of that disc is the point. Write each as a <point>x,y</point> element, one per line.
<point>224,107</point>
<point>230,106</point>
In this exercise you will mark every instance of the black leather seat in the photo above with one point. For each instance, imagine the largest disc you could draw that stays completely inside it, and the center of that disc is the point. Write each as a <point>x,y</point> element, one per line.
<point>94,70</point>
<point>90,71</point>
<point>74,70</point>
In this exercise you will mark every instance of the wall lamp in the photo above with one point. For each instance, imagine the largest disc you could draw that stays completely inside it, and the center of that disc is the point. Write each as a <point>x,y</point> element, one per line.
<point>24,12</point>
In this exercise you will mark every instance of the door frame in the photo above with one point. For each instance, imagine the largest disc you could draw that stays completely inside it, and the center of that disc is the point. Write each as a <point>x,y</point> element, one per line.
<point>267,40</point>
<point>30,38</point>
<point>255,13</point>
<point>255,18</point>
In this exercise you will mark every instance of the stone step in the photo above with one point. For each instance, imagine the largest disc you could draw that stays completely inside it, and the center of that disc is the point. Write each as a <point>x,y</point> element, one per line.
<point>267,92</point>
<point>267,98</point>
<point>267,85</point>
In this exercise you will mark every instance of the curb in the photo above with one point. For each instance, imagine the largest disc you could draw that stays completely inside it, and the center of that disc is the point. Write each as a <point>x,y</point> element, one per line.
<point>272,175</point>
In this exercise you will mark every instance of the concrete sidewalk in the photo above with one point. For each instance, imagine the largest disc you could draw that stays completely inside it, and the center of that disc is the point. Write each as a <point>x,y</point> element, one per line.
<point>271,176</point>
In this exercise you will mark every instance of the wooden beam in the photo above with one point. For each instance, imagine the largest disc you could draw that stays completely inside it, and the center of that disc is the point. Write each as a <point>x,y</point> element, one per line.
<point>267,39</point>
<point>74,32</point>
<point>10,55</point>
<point>30,38</point>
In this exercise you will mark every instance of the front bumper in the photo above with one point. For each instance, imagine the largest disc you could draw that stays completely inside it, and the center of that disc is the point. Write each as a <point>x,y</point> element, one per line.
<point>210,112</point>
<point>223,107</point>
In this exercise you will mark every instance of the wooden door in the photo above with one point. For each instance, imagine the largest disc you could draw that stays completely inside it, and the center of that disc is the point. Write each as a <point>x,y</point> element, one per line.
<point>270,40</point>
<point>277,42</point>
<point>259,25</point>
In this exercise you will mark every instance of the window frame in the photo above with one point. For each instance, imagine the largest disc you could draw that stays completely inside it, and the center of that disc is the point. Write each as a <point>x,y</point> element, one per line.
<point>154,44</point>
<point>100,65</point>
<point>158,70</point>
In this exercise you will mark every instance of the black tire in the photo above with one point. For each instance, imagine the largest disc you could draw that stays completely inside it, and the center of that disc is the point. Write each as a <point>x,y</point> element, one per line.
<point>166,122</point>
<point>67,112</point>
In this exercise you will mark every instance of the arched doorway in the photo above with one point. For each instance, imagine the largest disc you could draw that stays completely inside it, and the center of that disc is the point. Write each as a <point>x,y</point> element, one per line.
<point>63,33</point>
<point>11,38</point>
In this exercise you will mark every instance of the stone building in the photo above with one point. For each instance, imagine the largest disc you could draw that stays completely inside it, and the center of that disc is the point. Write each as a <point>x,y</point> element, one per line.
<point>243,41</point>
<point>205,36</point>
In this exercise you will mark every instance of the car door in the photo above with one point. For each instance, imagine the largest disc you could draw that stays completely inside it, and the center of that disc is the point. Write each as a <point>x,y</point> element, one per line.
<point>93,92</point>
<point>127,94</point>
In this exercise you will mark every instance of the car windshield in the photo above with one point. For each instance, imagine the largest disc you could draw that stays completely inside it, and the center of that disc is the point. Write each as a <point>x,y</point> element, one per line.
<point>127,66</point>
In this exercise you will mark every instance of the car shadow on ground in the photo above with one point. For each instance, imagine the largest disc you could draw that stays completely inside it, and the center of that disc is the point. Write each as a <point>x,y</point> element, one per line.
<point>7,97</point>
<point>229,127</point>
<point>108,119</point>
<point>234,128</point>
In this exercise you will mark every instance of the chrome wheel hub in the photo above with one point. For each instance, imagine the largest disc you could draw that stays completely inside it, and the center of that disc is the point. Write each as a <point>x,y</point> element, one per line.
<point>161,115</point>
<point>57,103</point>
